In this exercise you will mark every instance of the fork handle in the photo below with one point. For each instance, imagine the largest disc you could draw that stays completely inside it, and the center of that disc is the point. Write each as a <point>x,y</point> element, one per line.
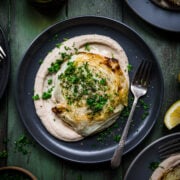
<point>117,156</point>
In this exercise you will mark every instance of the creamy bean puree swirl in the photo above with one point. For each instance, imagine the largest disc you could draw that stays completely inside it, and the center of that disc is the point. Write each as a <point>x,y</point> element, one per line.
<point>169,169</point>
<point>81,87</point>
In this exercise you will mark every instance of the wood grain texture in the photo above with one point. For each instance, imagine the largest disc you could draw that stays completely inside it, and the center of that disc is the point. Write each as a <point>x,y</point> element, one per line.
<point>22,24</point>
<point>166,48</point>
<point>107,8</point>
<point>111,9</point>
<point>23,29</point>
<point>4,24</point>
<point>3,127</point>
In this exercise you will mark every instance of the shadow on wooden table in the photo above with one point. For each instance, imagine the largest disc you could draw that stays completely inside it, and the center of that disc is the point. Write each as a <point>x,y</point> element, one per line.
<point>132,19</point>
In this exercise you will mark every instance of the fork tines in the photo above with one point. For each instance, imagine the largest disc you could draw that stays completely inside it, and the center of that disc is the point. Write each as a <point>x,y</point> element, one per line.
<point>143,73</point>
<point>2,53</point>
<point>169,148</point>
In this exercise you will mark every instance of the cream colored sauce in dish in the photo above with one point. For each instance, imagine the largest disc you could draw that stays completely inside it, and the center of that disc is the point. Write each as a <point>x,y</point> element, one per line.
<point>106,62</point>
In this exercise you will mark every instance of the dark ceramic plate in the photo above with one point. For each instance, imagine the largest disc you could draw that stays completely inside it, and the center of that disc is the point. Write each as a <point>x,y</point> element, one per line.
<point>15,172</point>
<point>4,64</point>
<point>166,5</point>
<point>100,147</point>
<point>157,16</point>
<point>144,159</point>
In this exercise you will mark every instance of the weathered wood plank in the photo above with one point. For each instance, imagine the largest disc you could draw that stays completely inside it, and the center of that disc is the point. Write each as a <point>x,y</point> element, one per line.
<point>23,23</point>
<point>3,128</point>
<point>26,23</point>
<point>4,23</point>
<point>107,8</point>
<point>111,9</point>
<point>166,48</point>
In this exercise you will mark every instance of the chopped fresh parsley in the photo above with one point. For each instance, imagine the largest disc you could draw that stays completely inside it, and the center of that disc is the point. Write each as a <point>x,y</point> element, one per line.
<point>58,45</point>
<point>96,103</point>
<point>71,69</point>
<point>50,81</point>
<point>67,48</point>
<point>55,66</point>
<point>102,136</point>
<point>73,79</point>
<point>76,50</point>
<point>65,39</point>
<point>22,145</point>
<point>154,165</point>
<point>87,47</point>
<point>129,67</point>
<point>36,97</point>
<point>102,81</point>
<point>3,154</point>
<point>111,109</point>
<point>117,138</point>
<point>40,61</point>
<point>78,83</point>
<point>79,177</point>
<point>145,107</point>
<point>65,56</point>
<point>46,95</point>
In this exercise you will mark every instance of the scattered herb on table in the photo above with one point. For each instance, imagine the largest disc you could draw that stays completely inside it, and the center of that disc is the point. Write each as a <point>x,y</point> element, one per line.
<point>3,154</point>
<point>22,145</point>
<point>5,140</point>
<point>75,49</point>
<point>79,177</point>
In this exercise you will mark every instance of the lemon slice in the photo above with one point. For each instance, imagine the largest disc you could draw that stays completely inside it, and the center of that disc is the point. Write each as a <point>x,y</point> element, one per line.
<point>172,116</point>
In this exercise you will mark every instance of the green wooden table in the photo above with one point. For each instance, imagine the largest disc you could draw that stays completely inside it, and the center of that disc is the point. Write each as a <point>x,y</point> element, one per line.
<point>22,23</point>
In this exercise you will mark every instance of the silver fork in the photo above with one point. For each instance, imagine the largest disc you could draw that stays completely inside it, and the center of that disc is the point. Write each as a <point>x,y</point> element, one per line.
<point>169,148</point>
<point>2,54</point>
<point>138,88</point>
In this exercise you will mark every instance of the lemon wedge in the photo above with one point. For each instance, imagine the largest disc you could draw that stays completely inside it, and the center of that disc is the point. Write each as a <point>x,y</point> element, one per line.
<point>172,116</point>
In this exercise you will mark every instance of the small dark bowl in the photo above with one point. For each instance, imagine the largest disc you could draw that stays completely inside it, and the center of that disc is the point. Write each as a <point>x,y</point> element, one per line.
<point>47,7</point>
<point>14,172</point>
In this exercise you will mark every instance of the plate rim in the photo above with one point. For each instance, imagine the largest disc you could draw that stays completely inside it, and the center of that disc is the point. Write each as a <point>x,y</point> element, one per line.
<point>8,59</point>
<point>177,8</point>
<point>152,24</point>
<point>145,149</point>
<point>93,18</point>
